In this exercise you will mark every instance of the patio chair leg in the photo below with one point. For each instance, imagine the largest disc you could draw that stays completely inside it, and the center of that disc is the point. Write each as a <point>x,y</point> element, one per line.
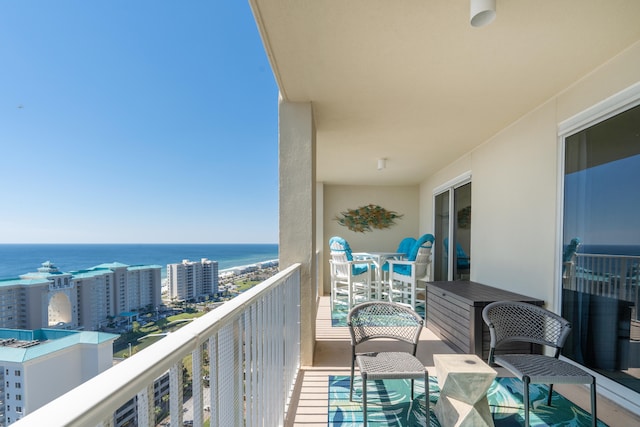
<point>351,382</point>
<point>427,412</point>
<point>594,416</point>
<point>550,393</point>
<point>364,401</point>
<point>526,401</point>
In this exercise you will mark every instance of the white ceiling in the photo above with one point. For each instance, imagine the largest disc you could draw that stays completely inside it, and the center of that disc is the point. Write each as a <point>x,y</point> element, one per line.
<point>413,82</point>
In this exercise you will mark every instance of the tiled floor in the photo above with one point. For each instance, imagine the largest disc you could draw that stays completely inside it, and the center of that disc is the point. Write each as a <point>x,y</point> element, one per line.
<point>332,357</point>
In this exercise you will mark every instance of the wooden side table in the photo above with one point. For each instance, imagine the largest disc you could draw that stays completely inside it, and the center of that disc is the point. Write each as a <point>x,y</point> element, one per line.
<point>463,380</point>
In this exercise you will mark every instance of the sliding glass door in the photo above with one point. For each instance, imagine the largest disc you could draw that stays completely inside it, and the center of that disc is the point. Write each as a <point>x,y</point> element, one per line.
<point>452,207</point>
<point>601,259</point>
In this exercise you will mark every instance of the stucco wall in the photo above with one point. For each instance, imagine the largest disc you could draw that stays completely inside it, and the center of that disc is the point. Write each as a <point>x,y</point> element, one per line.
<point>516,183</point>
<point>339,198</point>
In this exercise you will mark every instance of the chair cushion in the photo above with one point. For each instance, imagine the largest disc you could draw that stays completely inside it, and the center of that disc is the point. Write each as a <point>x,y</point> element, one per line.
<point>406,245</point>
<point>344,246</point>
<point>405,270</point>
<point>356,270</point>
<point>416,246</point>
<point>359,269</point>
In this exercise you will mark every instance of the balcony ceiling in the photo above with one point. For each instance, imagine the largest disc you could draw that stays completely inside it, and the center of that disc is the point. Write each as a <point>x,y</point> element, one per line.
<point>413,82</point>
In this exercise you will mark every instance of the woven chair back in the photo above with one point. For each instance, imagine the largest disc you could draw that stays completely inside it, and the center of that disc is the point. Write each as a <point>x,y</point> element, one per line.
<point>380,319</point>
<point>516,321</point>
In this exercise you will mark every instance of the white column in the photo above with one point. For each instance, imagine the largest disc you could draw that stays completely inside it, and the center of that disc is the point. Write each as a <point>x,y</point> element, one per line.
<point>297,209</point>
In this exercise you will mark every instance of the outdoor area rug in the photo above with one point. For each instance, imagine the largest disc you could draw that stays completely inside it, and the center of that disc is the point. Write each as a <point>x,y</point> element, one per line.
<point>389,404</point>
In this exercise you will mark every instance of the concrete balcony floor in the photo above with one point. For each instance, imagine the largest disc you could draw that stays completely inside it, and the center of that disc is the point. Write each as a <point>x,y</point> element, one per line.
<point>309,406</point>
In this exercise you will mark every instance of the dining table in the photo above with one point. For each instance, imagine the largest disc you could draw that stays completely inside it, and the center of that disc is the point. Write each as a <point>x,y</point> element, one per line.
<point>379,259</point>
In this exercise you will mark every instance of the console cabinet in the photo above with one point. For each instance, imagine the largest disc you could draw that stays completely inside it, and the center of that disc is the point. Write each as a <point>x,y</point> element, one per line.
<point>454,314</point>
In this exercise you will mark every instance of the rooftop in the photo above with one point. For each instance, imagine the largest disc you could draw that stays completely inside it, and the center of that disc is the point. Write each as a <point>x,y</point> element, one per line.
<point>21,345</point>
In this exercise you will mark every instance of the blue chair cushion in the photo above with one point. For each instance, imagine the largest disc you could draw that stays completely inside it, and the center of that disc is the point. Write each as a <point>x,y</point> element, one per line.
<point>355,269</point>
<point>406,245</point>
<point>571,249</point>
<point>404,248</point>
<point>359,269</point>
<point>416,246</point>
<point>405,270</point>
<point>462,258</point>
<point>345,246</point>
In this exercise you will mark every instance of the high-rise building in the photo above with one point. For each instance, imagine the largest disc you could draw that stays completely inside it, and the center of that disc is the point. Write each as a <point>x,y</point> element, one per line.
<point>37,366</point>
<point>85,299</point>
<point>190,280</point>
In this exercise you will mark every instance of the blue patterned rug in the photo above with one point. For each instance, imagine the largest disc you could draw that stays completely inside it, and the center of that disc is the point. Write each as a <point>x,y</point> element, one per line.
<point>389,404</point>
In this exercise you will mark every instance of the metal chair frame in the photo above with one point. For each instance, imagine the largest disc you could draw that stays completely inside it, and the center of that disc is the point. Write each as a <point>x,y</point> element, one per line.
<point>511,321</point>
<point>386,320</point>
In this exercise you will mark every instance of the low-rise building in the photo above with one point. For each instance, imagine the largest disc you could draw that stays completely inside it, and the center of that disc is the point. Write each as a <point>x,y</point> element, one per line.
<point>37,366</point>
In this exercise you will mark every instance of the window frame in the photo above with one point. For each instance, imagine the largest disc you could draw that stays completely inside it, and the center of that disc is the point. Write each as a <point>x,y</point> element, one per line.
<point>616,104</point>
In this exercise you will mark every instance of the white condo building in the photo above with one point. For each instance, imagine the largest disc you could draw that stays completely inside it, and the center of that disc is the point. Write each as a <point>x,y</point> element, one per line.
<point>86,299</point>
<point>192,279</point>
<point>37,366</point>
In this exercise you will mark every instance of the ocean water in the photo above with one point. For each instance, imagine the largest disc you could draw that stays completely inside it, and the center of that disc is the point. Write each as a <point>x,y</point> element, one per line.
<point>631,250</point>
<point>17,259</point>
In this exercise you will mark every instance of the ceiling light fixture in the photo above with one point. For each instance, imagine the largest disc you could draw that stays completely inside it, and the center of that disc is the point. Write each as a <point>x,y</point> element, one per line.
<point>382,163</point>
<point>482,12</point>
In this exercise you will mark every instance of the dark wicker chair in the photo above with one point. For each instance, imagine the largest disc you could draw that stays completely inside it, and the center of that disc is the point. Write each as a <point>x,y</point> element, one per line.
<point>385,320</point>
<point>510,321</point>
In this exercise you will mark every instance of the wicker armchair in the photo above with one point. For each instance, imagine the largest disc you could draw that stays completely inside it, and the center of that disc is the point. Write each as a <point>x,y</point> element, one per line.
<point>510,321</point>
<point>385,320</point>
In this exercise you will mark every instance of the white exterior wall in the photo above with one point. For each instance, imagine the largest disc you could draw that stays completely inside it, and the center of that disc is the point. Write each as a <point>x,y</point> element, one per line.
<point>404,200</point>
<point>210,278</point>
<point>9,307</point>
<point>192,279</point>
<point>14,391</point>
<point>53,374</point>
<point>516,183</point>
<point>119,287</point>
<point>95,302</point>
<point>133,290</point>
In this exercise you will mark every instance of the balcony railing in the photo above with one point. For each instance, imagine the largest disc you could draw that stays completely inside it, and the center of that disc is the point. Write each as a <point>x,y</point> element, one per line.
<point>253,346</point>
<point>613,276</point>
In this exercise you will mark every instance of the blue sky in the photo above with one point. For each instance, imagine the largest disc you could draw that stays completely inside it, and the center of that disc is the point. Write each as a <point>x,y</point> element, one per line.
<point>602,203</point>
<point>136,121</point>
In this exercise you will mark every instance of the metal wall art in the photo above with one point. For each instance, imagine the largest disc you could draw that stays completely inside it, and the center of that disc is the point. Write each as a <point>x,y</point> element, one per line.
<point>367,218</point>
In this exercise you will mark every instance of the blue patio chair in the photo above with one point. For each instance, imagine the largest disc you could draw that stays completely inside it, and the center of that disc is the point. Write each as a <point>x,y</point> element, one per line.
<point>350,278</point>
<point>569,263</point>
<point>405,274</point>
<point>463,262</point>
<point>404,247</point>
